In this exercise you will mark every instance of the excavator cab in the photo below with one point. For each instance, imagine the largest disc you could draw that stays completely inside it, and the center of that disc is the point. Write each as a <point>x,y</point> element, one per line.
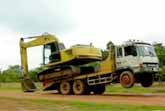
<point>51,52</point>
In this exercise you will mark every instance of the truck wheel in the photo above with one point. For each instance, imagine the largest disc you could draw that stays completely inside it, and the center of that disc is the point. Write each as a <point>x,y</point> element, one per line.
<point>127,79</point>
<point>65,88</point>
<point>79,87</point>
<point>146,80</point>
<point>99,89</point>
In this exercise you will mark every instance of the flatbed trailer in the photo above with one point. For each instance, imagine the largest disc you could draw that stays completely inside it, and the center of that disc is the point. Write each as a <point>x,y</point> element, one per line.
<point>79,83</point>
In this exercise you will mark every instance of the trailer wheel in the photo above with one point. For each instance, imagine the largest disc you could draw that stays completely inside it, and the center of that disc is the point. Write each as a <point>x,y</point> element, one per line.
<point>127,79</point>
<point>79,87</point>
<point>65,88</point>
<point>98,89</point>
<point>146,80</point>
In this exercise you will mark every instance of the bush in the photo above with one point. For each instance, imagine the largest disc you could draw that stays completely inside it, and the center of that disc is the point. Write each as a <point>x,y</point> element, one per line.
<point>162,73</point>
<point>12,74</point>
<point>33,73</point>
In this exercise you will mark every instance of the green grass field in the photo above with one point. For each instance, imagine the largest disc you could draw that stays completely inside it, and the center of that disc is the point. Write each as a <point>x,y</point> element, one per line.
<point>156,88</point>
<point>21,104</point>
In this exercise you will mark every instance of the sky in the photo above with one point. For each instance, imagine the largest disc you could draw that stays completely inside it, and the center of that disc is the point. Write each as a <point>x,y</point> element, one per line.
<point>77,22</point>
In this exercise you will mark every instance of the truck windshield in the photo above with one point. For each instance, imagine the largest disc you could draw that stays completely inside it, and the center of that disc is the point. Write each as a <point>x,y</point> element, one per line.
<point>130,50</point>
<point>146,50</point>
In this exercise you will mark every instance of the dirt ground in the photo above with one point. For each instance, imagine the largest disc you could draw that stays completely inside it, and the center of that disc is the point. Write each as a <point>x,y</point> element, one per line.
<point>141,99</point>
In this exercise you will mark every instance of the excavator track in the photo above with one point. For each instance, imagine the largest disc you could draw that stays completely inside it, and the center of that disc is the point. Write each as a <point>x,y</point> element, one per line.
<point>56,73</point>
<point>63,72</point>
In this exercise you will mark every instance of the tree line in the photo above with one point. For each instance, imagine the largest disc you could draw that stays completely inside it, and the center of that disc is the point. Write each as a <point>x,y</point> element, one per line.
<point>13,73</point>
<point>160,51</point>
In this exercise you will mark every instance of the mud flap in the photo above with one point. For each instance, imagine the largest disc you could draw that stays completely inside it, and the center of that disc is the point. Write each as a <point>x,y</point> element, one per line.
<point>28,85</point>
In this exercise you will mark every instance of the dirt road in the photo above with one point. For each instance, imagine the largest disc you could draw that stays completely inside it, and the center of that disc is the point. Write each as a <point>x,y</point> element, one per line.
<point>145,99</point>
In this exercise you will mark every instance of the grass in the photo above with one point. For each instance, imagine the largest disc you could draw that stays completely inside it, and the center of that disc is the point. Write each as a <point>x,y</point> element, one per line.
<point>156,88</point>
<point>51,105</point>
<point>13,86</point>
<point>9,86</point>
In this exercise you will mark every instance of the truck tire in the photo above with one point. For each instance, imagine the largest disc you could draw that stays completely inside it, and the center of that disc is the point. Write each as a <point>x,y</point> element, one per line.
<point>65,88</point>
<point>127,79</point>
<point>79,87</point>
<point>98,89</point>
<point>146,80</point>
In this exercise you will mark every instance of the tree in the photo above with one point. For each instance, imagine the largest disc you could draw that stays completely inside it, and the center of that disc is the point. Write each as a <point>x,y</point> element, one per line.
<point>11,74</point>
<point>33,73</point>
<point>104,54</point>
<point>160,50</point>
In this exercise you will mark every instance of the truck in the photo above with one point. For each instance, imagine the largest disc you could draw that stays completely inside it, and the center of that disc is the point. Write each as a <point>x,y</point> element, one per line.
<point>136,62</point>
<point>65,70</point>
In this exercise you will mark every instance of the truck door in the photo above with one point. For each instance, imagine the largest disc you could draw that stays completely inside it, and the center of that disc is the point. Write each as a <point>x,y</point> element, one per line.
<point>131,60</point>
<point>119,56</point>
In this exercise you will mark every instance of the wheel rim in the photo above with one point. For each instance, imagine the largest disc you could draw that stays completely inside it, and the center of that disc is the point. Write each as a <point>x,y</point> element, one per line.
<point>126,79</point>
<point>65,88</point>
<point>78,87</point>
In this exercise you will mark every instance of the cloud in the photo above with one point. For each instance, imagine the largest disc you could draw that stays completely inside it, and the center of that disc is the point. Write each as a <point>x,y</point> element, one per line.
<point>36,16</point>
<point>118,21</point>
<point>10,50</point>
<point>9,47</point>
<point>21,18</point>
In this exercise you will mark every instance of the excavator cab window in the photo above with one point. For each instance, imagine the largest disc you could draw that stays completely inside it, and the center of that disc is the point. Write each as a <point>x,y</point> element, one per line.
<point>51,53</point>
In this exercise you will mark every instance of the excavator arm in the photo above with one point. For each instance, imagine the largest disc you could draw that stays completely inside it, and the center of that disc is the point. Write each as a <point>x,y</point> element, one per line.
<point>27,84</point>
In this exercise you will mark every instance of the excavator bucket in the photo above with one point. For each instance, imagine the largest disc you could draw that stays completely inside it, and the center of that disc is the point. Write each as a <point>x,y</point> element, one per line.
<point>28,85</point>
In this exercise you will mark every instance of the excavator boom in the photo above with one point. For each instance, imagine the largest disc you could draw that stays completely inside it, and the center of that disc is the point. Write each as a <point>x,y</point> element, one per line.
<point>27,84</point>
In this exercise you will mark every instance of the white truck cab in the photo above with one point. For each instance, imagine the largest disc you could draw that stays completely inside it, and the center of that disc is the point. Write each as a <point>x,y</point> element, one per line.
<point>136,62</point>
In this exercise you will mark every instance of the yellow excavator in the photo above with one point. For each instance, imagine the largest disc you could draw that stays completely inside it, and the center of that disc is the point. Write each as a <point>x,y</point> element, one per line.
<point>77,70</point>
<point>59,63</point>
